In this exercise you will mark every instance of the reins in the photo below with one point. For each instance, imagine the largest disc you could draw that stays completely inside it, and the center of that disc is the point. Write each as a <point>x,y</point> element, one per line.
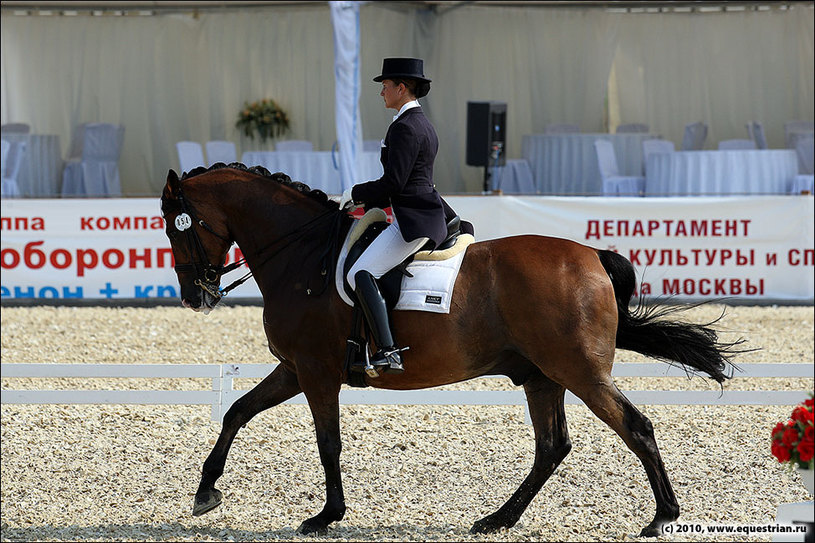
<point>301,231</point>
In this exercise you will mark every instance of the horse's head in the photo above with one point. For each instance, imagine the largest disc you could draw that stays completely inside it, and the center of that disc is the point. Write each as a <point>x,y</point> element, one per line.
<point>199,240</point>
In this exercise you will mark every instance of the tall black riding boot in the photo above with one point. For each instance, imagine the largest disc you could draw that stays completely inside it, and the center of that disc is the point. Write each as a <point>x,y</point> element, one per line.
<point>376,313</point>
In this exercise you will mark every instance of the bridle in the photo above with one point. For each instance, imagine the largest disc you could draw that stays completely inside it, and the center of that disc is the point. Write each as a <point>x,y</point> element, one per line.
<point>208,275</point>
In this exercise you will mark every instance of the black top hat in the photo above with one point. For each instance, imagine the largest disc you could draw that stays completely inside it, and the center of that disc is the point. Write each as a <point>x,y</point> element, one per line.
<point>397,68</point>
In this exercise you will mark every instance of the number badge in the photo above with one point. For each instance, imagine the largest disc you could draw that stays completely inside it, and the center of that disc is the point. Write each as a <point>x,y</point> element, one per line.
<point>183,221</point>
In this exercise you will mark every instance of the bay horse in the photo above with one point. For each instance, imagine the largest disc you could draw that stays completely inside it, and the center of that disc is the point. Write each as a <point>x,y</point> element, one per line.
<point>548,313</point>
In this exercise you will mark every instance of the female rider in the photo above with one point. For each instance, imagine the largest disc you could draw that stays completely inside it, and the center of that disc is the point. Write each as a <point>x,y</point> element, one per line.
<point>420,215</point>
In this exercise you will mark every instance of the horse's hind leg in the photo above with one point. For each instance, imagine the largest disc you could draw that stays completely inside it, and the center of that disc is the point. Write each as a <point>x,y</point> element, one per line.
<point>276,388</point>
<point>545,400</point>
<point>608,403</point>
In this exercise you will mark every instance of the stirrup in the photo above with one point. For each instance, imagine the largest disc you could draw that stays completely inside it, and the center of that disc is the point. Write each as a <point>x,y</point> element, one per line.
<point>363,363</point>
<point>369,368</point>
<point>389,360</point>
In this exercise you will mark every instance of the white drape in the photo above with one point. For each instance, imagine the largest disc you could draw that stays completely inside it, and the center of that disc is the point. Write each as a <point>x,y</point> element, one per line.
<point>175,77</point>
<point>734,67</point>
<point>345,19</point>
<point>548,66</point>
<point>169,78</point>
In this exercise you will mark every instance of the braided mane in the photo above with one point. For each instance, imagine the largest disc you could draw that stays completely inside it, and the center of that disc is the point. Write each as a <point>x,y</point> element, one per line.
<point>279,177</point>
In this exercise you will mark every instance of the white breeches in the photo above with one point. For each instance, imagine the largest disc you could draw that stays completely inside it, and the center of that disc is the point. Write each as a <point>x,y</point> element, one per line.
<point>384,253</point>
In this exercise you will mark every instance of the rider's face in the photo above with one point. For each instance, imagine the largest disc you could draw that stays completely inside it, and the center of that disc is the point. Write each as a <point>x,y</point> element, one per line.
<point>392,94</point>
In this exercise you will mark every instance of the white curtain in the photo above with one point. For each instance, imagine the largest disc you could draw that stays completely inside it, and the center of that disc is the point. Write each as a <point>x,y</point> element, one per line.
<point>548,66</point>
<point>722,68</point>
<point>169,78</point>
<point>175,77</point>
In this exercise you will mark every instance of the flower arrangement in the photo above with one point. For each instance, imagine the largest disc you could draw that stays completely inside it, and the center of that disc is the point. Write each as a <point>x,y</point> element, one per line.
<point>792,441</point>
<point>265,117</point>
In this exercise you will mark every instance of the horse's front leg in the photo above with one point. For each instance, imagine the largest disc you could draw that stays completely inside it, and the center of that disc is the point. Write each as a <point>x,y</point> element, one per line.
<point>276,388</point>
<point>322,391</point>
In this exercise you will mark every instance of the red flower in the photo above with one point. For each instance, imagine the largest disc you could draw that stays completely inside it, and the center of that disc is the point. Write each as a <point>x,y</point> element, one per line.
<point>792,440</point>
<point>780,451</point>
<point>806,448</point>
<point>802,414</point>
<point>790,436</point>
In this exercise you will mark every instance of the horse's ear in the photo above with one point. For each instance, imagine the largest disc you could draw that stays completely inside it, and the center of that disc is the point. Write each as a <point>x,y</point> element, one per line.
<point>173,184</point>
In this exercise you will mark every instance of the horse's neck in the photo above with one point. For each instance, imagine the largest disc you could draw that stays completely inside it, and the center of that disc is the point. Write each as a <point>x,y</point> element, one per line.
<point>271,240</point>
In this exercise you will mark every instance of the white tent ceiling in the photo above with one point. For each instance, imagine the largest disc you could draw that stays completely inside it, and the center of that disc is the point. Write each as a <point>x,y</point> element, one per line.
<point>167,5</point>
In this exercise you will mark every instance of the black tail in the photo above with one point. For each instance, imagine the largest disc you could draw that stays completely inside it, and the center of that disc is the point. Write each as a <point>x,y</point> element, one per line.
<point>694,347</point>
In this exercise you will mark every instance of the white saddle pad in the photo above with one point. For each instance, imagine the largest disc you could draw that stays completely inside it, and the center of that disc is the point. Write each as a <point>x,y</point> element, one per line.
<point>430,288</point>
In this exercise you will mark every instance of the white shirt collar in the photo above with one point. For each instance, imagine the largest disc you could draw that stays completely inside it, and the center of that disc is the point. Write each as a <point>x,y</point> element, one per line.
<point>409,105</point>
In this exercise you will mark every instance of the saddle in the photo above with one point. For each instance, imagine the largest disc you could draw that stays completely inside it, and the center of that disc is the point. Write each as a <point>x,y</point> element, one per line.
<point>391,282</point>
<point>357,351</point>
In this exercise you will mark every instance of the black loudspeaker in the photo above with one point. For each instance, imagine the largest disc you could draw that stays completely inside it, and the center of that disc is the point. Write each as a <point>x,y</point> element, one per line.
<point>486,133</point>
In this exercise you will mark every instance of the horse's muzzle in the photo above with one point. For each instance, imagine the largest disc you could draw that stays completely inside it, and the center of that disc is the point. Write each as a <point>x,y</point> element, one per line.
<point>202,300</point>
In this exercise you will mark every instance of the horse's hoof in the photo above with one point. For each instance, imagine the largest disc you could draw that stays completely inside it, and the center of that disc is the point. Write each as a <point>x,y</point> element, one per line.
<point>206,501</point>
<point>486,525</point>
<point>651,531</point>
<point>312,526</point>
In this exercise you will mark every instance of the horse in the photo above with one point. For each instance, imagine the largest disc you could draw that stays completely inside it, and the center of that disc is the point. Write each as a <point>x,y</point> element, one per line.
<point>546,312</point>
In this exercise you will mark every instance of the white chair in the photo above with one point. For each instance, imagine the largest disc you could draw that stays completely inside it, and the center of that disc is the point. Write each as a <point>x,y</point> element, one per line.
<point>736,144</point>
<point>694,137</point>
<point>615,184</point>
<point>650,147</point>
<point>15,128</point>
<point>371,146</point>
<point>221,151</point>
<point>792,129</point>
<point>804,182</point>
<point>95,172</point>
<point>561,128</point>
<point>12,158</point>
<point>756,132</point>
<point>75,147</point>
<point>294,145</point>
<point>632,128</point>
<point>190,155</point>
<point>805,148</point>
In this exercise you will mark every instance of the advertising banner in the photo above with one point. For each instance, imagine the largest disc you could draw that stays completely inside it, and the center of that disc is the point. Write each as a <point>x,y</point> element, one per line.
<point>740,248</point>
<point>90,249</point>
<point>747,248</point>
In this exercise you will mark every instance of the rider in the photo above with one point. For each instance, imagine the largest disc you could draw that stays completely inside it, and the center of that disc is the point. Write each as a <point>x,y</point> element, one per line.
<point>420,215</point>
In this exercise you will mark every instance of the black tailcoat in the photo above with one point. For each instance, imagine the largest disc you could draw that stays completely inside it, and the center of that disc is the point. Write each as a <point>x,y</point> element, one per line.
<point>410,147</point>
